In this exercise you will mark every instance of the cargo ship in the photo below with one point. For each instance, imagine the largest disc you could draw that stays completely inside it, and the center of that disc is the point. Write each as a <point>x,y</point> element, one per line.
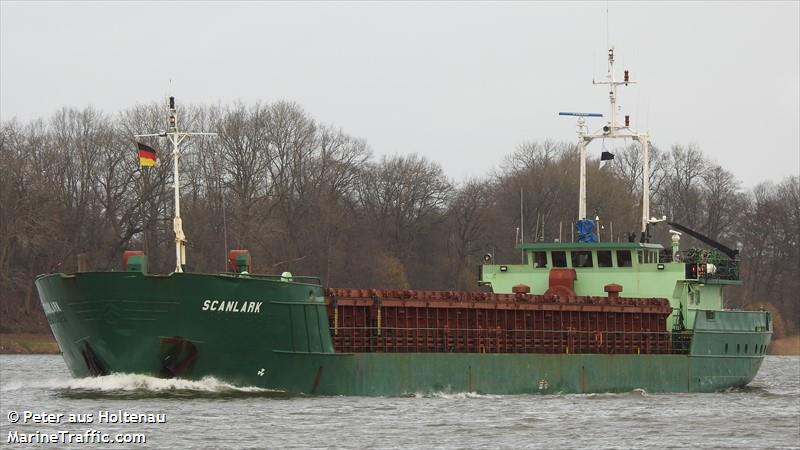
<point>585,316</point>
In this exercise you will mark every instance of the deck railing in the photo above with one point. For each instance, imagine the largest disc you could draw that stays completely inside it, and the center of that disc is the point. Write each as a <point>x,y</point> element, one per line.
<point>725,268</point>
<point>293,278</point>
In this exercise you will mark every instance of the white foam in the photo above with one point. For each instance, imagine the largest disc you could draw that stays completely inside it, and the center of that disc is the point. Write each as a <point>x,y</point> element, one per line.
<point>125,382</point>
<point>453,395</point>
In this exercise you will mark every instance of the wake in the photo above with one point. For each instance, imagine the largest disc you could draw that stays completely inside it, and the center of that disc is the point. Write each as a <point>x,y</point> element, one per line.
<point>132,386</point>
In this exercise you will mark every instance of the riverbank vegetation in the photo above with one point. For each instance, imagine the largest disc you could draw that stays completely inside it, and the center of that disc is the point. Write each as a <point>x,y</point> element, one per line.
<point>309,198</point>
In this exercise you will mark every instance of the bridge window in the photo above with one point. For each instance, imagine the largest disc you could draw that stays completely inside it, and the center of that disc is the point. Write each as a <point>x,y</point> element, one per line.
<point>604,258</point>
<point>559,259</point>
<point>624,258</point>
<point>539,259</point>
<point>582,259</point>
<point>647,256</point>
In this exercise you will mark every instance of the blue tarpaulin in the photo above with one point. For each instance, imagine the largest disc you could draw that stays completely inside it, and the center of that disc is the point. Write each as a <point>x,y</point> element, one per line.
<point>585,229</point>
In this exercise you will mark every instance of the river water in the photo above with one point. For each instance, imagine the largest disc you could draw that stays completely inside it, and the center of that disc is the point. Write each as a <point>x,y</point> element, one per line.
<point>210,413</point>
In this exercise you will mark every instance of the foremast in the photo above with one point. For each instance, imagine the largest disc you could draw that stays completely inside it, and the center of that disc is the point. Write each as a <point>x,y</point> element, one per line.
<point>176,138</point>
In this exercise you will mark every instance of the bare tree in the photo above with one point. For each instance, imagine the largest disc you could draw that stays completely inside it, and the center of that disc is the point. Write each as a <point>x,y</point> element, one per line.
<point>309,198</point>
<point>467,215</point>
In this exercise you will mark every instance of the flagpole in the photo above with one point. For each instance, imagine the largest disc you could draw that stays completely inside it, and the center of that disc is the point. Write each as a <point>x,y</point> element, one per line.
<point>176,137</point>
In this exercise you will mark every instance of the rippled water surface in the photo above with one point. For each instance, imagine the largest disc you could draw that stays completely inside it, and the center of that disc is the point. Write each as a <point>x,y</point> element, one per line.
<point>211,413</point>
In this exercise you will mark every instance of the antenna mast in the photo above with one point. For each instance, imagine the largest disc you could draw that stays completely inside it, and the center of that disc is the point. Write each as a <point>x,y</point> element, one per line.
<point>612,130</point>
<point>176,137</point>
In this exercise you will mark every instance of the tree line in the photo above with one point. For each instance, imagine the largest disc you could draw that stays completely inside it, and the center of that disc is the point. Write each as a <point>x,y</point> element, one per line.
<point>306,197</point>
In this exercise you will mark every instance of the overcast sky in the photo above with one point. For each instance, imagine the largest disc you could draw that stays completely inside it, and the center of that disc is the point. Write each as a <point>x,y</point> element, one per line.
<point>461,83</point>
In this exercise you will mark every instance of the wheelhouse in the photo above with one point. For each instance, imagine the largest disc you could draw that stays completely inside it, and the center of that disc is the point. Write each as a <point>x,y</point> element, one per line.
<point>588,256</point>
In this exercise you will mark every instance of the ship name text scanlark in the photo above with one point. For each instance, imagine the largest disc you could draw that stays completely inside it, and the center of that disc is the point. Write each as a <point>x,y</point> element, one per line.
<point>232,306</point>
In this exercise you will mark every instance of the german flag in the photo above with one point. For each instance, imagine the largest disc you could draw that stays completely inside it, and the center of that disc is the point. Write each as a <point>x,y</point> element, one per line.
<point>147,155</point>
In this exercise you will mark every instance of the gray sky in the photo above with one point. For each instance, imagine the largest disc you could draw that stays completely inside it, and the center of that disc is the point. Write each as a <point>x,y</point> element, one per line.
<point>461,83</point>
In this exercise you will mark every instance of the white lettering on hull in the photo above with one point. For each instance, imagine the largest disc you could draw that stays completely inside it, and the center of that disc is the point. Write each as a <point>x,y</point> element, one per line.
<point>232,306</point>
<point>51,308</point>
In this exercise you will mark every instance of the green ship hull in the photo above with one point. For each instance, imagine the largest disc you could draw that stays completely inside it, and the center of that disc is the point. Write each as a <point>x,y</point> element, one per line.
<point>275,334</point>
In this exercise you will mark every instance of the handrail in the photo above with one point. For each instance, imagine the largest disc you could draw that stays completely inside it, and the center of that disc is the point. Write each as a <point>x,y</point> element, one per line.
<point>293,279</point>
